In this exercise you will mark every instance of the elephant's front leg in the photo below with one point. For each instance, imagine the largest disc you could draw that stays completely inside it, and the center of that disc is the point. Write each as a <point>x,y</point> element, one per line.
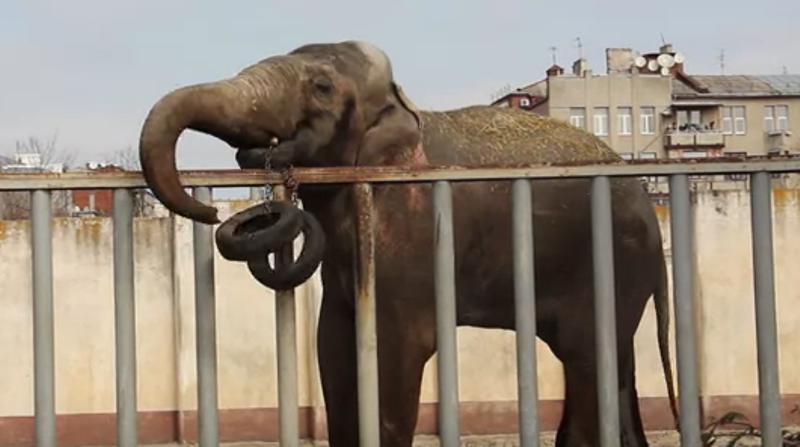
<point>404,346</point>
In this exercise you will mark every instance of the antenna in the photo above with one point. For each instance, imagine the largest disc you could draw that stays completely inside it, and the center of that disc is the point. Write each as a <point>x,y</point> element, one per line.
<point>663,41</point>
<point>722,62</point>
<point>580,47</point>
<point>554,51</point>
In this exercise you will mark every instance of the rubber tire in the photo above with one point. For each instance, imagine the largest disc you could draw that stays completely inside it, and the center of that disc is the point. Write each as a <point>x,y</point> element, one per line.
<point>237,245</point>
<point>290,276</point>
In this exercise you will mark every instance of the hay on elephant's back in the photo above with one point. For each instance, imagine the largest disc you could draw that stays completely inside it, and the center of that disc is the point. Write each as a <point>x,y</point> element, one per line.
<point>504,135</point>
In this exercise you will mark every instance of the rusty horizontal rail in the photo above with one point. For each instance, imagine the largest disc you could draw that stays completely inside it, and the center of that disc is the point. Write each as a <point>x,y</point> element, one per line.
<point>371,174</point>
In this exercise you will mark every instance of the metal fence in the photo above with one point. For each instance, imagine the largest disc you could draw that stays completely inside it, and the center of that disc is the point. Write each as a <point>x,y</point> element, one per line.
<point>201,182</point>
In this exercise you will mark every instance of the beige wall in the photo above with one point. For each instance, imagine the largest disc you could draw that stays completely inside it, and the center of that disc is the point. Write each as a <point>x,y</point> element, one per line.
<point>245,316</point>
<point>612,91</point>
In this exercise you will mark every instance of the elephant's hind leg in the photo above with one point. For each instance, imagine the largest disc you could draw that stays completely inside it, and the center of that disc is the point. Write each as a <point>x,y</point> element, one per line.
<point>630,419</point>
<point>574,345</point>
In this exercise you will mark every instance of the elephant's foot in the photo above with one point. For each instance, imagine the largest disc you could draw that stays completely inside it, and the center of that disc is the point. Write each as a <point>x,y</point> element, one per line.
<point>630,419</point>
<point>580,425</point>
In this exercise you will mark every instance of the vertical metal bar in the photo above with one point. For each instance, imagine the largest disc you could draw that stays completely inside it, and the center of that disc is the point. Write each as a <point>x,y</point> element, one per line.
<point>766,325</point>
<point>125,319</point>
<point>682,272</point>
<point>205,327</point>
<point>525,310</point>
<point>605,319</point>
<point>288,403</point>
<point>444,271</point>
<point>366,329</point>
<point>43,341</point>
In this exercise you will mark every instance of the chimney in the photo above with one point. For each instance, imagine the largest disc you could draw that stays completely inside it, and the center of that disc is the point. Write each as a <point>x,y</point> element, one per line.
<point>619,60</point>
<point>579,67</point>
<point>555,70</point>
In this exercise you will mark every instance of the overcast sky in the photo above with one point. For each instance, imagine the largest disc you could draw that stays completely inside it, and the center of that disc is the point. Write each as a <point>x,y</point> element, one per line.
<point>88,70</point>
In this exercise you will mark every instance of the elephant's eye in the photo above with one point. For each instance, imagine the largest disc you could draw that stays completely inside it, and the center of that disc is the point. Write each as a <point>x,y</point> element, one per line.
<point>323,85</point>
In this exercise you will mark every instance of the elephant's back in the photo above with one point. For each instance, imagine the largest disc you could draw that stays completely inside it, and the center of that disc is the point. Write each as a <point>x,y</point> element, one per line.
<point>480,135</point>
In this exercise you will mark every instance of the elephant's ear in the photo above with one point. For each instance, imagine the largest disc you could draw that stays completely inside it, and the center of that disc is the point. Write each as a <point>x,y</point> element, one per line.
<point>393,130</point>
<point>394,137</point>
<point>405,101</point>
<point>378,76</point>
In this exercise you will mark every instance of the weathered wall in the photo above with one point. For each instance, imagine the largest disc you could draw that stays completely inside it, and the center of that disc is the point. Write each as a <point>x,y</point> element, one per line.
<point>84,328</point>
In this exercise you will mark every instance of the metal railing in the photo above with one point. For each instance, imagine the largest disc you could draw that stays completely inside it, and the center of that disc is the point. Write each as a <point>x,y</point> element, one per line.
<point>201,182</point>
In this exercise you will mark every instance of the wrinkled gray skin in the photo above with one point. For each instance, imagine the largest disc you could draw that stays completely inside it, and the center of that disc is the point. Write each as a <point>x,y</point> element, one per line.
<point>338,105</point>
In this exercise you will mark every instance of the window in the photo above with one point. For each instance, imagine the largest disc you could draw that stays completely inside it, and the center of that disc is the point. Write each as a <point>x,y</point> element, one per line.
<point>626,155</point>
<point>727,121</point>
<point>648,120</point>
<point>624,120</point>
<point>683,118</point>
<point>776,118</point>
<point>577,117</point>
<point>769,118</point>
<point>739,121</point>
<point>694,154</point>
<point>524,102</point>
<point>687,120</point>
<point>600,120</point>
<point>782,118</point>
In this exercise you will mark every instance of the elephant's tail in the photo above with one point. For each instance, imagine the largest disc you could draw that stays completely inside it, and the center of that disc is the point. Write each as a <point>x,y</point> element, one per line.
<point>662,321</point>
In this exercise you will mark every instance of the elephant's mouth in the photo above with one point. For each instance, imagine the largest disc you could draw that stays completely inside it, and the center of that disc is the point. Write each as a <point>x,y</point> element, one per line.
<point>260,156</point>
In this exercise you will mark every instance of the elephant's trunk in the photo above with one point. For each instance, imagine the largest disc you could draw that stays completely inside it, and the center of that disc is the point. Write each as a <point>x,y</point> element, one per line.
<point>226,110</point>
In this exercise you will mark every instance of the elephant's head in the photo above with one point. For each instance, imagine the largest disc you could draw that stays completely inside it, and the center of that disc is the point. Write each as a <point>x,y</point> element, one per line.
<point>319,105</point>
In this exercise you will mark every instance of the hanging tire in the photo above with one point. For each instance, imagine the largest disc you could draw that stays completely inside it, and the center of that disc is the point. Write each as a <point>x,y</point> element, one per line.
<point>293,274</point>
<point>250,233</point>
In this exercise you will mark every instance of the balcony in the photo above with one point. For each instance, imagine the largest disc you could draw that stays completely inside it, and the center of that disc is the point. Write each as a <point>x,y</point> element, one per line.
<point>694,139</point>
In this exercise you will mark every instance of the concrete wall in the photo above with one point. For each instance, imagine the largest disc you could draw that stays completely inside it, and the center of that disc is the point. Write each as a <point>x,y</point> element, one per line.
<point>84,328</point>
<point>613,91</point>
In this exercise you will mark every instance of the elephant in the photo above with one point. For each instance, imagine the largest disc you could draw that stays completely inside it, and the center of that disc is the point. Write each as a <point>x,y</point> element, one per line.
<point>338,104</point>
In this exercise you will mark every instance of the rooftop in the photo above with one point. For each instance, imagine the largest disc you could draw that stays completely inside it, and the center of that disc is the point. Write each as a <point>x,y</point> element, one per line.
<point>740,85</point>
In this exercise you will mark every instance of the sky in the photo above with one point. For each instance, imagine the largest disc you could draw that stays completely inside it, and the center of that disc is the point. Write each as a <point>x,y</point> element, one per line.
<point>86,72</point>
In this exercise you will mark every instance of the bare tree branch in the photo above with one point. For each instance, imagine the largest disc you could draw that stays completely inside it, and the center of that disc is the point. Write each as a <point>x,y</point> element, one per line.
<point>15,205</point>
<point>127,159</point>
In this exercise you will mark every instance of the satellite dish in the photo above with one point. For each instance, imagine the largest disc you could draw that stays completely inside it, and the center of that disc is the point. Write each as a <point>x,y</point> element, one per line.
<point>666,60</point>
<point>678,58</point>
<point>664,71</point>
<point>652,65</point>
<point>640,61</point>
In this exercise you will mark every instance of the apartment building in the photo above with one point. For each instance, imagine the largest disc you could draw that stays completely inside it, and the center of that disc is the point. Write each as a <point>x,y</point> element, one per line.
<point>647,106</point>
<point>754,114</point>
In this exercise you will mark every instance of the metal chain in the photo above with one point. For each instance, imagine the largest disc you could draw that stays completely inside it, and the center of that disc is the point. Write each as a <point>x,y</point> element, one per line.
<point>270,192</point>
<point>289,182</point>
